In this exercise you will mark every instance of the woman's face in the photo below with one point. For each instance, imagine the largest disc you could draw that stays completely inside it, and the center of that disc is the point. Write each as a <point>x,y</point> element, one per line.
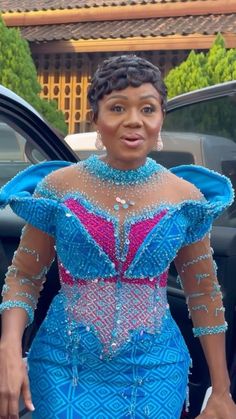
<point>129,121</point>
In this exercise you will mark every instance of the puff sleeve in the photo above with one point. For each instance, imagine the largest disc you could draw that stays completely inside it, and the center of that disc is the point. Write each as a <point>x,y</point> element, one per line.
<point>27,196</point>
<point>216,193</point>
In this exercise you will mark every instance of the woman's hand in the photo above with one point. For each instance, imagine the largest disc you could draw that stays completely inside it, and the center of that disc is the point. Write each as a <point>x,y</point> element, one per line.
<point>14,382</point>
<point>219,406</point>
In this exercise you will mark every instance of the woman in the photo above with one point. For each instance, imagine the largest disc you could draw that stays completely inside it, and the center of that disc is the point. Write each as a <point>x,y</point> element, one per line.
<point>109,347</point>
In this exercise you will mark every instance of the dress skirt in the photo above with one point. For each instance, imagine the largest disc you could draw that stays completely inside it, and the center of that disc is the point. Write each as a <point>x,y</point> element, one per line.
<point>69,379</point>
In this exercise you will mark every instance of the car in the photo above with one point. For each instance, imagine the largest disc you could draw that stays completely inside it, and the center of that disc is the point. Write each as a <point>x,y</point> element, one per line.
<point>179,147</point>
<point>199,128</point>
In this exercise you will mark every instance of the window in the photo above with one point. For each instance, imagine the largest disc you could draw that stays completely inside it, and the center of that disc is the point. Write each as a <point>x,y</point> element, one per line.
<point>16,151</point>
<point>207,131</point>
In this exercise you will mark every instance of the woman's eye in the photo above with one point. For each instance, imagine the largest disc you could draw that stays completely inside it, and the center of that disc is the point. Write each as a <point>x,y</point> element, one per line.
<point>148,109</point>
<point>117,108</point>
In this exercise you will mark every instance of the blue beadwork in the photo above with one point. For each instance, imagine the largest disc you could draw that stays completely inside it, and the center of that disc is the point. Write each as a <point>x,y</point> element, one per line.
<point>18,304</point>
<point>200,277</point>
<point>24,281</point>
<point>48,214</point>
<point>5,289</point>
<point>27,295</point>
<point>216,290</point>
<point>210,330</point>
<point>195,260</point>
<point>75,335</point>
<point>104,171</point>
<point>219,309</point>
<point>200,307</point>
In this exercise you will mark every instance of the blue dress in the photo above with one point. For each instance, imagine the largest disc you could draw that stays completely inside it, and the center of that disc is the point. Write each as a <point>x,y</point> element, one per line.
<point>109,347</point>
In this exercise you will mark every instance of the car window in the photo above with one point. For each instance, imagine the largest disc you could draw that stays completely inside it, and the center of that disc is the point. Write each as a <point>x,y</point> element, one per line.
<point>16,150</point>
<point>11,144</point>
<point>213,116</point>
<point>206,130</point>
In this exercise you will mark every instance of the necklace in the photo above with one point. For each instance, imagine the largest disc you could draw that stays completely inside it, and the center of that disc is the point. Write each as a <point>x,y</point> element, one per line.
<point>104,171</point>
<point>120,190</point>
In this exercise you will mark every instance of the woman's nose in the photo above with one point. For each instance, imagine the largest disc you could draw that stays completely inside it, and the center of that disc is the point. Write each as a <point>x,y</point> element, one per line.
<point>133,118</point>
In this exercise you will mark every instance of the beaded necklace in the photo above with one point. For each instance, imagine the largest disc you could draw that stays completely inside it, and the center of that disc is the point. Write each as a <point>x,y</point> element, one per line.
<point>104,171</point>
<point>126,182</point>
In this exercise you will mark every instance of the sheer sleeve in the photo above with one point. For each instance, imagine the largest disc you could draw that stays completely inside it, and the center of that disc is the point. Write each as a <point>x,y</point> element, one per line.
<point>197,275</point>
<point>31,261</point>
<point>26,275</point>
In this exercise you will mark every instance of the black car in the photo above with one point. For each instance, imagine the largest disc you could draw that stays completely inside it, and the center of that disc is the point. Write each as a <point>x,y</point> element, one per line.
<point>200,128</point>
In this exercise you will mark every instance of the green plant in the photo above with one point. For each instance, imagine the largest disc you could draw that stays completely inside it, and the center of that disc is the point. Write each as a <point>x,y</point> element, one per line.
<point>199,70</point>
<point>202,70</point>
<point>19,74</point>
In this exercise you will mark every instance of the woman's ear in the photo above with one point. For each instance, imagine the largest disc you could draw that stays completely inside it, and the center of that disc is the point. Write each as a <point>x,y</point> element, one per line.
<point>94,125</point>
<point>94,119</point>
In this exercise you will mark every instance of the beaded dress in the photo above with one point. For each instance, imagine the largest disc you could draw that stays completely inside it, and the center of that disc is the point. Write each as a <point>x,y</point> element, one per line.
<point>108,347</point>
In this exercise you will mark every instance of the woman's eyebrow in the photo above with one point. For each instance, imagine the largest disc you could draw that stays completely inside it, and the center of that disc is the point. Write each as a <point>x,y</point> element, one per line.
<point>117,96</point>
<point>151,96</point>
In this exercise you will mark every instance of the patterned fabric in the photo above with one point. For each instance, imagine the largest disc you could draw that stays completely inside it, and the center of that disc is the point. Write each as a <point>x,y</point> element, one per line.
<point>108,347</point>
<point>148,378</point>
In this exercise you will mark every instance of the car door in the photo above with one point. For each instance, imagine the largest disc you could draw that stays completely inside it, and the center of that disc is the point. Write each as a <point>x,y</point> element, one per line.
<point>200,128</point>
<point>25,139</point>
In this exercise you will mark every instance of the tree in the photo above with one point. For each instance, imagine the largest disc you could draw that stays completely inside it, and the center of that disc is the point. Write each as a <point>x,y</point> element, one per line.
<point>189,75</point>
<point>202,70</point>
<point>19,74</point>
<point>221,63</point>
<point>50,112</point>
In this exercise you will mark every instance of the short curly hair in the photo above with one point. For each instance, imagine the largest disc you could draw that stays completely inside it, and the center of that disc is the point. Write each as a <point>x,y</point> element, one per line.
<point>119,72</point>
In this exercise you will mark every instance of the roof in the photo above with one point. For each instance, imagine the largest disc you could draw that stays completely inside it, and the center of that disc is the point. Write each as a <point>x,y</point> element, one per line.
<point>46,21</point>
<point>207,25</point>
<point>29,5</point>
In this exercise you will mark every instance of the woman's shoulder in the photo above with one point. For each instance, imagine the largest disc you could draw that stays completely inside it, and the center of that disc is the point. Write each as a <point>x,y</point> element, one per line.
<point>45,179</point>
<point>59,180</point>
<point>183,189</point>
<point>214,187</point>
<point>62,174</point>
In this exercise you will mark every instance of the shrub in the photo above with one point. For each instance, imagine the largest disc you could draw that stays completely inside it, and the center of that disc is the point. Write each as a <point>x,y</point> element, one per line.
<point>19,74</point>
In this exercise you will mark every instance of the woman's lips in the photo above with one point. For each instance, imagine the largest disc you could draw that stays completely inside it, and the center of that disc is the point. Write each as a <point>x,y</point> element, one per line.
<point>132,141</point>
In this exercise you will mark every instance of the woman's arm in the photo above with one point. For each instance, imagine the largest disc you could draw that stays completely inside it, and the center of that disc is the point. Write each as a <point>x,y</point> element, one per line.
<point>14,377</point>
<point>197,273</point>
<point>198,276</point>
<point>24,281</point>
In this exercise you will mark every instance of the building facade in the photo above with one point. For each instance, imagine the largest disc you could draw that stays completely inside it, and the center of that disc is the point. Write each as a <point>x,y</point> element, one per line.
<point>68,41</point>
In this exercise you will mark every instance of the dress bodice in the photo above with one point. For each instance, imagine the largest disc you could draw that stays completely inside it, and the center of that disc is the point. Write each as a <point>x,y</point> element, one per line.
<point>103,297</point>
<point>115,236</point>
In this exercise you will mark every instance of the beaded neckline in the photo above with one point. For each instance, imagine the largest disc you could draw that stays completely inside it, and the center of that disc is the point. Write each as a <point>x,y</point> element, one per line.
<point>104,171</point>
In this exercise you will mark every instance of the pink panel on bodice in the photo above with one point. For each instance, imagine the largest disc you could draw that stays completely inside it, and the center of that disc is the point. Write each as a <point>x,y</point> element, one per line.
<point>103,231</point>
<point>98,227</point>
<point>138,232</point>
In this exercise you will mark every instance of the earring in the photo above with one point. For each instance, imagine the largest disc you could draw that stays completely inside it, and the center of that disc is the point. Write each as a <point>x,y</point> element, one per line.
<point>98,142</point>
<point>159,143</point>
